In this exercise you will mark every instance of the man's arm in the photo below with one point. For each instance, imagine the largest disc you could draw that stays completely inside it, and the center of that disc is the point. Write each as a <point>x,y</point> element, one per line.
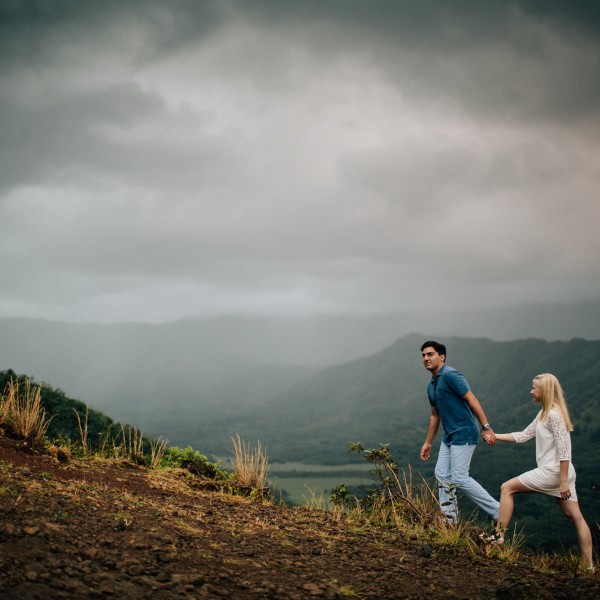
<point>488,434</point>
<point>434,423</point>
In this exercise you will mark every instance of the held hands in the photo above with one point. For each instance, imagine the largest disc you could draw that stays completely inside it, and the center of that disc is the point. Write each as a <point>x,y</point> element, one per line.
<point>489,436</point>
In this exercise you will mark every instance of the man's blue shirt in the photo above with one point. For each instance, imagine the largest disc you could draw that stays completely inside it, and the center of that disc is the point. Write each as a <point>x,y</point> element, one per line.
<point>445,392</point>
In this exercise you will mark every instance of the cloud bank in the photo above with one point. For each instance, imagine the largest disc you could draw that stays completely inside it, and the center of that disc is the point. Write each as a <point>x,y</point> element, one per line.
<point>169,160</point>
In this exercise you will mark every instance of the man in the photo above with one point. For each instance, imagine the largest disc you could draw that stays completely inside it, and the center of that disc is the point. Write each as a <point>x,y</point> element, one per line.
<point>456,407</point>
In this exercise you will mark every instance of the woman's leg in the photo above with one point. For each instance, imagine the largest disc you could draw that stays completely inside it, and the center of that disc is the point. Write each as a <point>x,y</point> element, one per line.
<point>571,509</point>
<point>507,502</point>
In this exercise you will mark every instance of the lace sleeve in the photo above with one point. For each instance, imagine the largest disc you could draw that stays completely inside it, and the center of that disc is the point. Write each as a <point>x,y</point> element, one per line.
<point>528,432</point>
<point>557,426</point>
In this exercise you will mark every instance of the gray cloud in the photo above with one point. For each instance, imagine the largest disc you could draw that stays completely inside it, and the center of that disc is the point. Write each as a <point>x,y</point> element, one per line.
<point>164,160</point>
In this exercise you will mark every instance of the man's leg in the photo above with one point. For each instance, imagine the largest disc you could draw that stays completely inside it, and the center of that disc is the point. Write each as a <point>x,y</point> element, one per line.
<point>460,462</point>
<point>443,474</point>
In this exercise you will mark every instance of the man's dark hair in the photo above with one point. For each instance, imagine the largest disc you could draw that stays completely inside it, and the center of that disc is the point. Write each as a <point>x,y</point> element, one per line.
<point>439,348</point>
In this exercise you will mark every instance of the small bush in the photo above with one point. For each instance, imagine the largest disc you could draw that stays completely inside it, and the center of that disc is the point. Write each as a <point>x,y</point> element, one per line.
<point>396,490</point>
<point>195,462</point>
<point>60,453</point>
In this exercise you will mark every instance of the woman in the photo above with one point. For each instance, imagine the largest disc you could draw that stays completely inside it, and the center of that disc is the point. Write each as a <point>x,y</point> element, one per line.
<point>555,474</point>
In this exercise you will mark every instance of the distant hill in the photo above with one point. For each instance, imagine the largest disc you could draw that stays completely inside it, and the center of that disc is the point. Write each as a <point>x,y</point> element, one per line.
<point>68,418</point>
<point>382,398</point>
<point>195,365</point>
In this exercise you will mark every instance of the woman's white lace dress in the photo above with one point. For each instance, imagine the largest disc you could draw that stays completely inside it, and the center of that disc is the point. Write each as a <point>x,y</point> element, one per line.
<point>552,444</point>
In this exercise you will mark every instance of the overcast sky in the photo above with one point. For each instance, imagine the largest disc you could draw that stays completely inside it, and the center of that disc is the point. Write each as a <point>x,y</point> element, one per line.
<point>186,158</point>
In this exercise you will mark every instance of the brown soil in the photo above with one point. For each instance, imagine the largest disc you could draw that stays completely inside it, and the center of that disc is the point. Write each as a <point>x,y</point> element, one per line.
<point>90,529</point>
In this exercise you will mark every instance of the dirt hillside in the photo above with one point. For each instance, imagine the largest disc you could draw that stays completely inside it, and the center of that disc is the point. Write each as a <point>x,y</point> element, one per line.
<point>94,529</point>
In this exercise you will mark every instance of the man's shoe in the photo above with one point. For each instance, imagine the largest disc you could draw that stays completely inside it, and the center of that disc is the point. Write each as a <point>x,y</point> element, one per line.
<point>446,520</point>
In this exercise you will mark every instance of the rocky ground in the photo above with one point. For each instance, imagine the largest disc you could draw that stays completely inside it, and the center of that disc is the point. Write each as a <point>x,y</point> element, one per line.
<point>91,529</point>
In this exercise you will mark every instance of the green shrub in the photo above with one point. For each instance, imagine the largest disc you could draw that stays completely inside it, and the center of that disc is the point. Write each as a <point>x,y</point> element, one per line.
<point>195,462</point>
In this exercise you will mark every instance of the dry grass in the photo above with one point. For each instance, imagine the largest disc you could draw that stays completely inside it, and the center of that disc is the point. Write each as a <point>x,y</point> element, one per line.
<point>83,430</point>
<point>250,466</point>
<point>510,551</point>
<point>22,413</point>
<point>5,406</point>
<point>130,446</point>
<point>318,503</point>
<point>314,502</point>
<point>157,451</point>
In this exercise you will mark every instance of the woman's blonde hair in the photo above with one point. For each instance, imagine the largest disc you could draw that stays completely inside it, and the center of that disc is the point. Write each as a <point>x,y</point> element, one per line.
<point>552,397</point>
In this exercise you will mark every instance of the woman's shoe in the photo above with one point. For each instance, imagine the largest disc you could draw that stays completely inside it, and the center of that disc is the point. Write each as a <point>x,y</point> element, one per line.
<point>492,538</point>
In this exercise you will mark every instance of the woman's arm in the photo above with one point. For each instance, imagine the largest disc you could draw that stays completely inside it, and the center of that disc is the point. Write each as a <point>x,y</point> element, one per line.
<point>505,437</point>
<point>528,433</point>
<point>562,438</point>
<point>565,492</point>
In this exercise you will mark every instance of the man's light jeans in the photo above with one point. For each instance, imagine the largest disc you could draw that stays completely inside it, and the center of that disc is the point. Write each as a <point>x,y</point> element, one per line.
<point>452,473</point>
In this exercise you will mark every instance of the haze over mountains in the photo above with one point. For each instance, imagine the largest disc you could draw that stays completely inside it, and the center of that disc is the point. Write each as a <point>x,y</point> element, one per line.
<point>133,370</point>
<point>189,380</point>
<point>210,361</point>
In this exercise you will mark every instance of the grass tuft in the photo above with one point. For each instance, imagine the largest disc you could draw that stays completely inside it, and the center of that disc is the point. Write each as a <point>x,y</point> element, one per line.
<point>21,412</point>
<point>250,466</point>
<point>157,451</point>
<point>83,430</point>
